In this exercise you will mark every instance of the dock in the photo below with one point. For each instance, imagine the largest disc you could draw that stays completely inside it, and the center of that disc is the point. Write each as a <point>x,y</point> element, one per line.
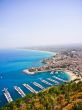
<point>20,91</point>
<point>38,85</point>
<point>7,95</point>
<point>46,82</point>
<point>30,88</point>
<point>52,80</point>
<point>59,79</point>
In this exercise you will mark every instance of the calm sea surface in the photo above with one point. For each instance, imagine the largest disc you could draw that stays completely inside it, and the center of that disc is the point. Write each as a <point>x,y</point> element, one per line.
<point>12,62</point>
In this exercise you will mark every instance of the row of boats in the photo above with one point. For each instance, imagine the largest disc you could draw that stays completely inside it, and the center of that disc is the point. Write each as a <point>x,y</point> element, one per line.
<point>27,86</point>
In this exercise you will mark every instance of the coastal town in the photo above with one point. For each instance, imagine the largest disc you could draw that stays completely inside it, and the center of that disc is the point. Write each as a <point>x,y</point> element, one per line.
<point>69,61</point>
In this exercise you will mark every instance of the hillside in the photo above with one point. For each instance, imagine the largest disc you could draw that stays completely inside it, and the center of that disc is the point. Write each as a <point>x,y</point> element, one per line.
<point>63,97</point>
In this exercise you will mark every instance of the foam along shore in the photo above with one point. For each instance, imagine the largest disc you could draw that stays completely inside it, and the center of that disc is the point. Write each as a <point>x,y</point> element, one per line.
<point>34,72</point>
<point>28,72</point>
<point>37,50</point>
<point>72,75</point>
<point>49,52</point>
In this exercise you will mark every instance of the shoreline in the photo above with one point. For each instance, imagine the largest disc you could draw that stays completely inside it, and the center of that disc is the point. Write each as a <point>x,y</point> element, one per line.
<point>26,71</point>
<point>71,75</point>
<point>49,52</point>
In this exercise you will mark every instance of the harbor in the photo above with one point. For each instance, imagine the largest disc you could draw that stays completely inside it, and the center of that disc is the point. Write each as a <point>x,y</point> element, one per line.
<point>11,71</point>
<point>35,86</point>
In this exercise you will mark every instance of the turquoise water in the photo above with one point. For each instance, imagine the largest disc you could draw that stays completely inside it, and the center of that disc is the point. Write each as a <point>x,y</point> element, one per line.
<point>12,62</point>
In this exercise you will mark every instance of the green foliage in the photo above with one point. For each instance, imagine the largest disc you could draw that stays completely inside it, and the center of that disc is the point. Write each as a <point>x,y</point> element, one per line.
<point>78,106</point>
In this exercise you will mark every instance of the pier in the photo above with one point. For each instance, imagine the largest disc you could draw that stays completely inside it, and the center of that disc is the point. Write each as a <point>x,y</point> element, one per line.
<point>7,95</point>
<point>30,88</point>
<point>46,82</point>
<point>38,85</point>
<point>53,80</point>
<point>19,90</point>
<point>59,79</point>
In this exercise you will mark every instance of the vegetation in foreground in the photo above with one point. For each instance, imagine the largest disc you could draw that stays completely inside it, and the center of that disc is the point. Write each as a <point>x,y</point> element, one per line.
<point>63,97</point>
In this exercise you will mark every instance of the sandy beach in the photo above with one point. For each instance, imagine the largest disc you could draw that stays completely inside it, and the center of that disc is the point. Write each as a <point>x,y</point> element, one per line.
<point>72,75</point>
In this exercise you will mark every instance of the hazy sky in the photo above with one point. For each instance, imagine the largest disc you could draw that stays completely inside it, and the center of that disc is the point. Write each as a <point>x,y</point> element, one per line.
<point>26,23</point>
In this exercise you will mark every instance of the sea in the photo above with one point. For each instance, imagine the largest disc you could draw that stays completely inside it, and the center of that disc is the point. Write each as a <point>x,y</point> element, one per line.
<point>12,64</point>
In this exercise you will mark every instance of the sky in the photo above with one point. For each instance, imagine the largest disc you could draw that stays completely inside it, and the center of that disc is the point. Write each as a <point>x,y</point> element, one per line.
<point>25,23</point>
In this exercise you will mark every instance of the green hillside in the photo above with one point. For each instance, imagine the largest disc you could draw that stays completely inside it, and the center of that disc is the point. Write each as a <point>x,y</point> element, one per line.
<point>63,97</point>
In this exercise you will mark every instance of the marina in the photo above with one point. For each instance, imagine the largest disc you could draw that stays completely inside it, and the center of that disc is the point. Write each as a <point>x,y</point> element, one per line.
<point>30,88</point>
<point>12,63</point>
<point>7,95</point>
<point>53,80</point>
<point>59,79</point>
<point>20,91</point>
<point>33,83</point>
<point>38,85</point>
<point>46,82</point>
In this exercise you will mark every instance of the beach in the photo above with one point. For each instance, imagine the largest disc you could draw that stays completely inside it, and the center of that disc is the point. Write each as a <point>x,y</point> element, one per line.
<point>71,74</point>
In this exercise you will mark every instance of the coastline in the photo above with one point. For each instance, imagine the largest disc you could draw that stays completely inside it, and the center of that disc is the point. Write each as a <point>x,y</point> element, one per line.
<point>31,73</point>
<point>52,53</point>
<point>28,72</point>
<point>71,75</point>
<point>49,52</point>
